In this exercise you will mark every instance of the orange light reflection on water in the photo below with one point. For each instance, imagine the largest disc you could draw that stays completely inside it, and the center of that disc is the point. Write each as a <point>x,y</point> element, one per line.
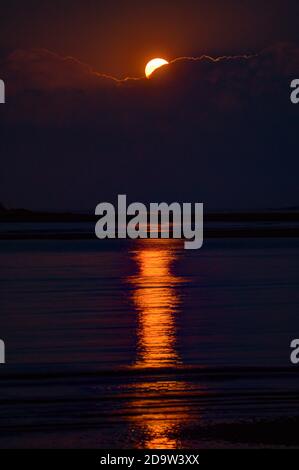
<point>156,299</point>
<point>160,410</point>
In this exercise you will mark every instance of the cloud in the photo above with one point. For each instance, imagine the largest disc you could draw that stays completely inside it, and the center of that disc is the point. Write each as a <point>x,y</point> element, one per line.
<point>42,85</point>
<point>43,70</point>
<point>221,131</point>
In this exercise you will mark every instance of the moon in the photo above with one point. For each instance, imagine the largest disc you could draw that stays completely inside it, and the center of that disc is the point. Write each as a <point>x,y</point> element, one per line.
<point>154,64</point>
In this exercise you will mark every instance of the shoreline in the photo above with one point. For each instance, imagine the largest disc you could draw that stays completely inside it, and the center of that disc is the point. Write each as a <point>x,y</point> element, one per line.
<point>208,234</point>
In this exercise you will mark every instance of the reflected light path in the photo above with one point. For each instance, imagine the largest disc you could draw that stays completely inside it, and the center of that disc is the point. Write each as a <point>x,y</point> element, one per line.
<point>156,299</point>
<point>160,408</point>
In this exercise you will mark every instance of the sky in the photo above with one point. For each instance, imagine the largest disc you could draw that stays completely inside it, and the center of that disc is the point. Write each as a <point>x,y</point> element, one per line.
<point>118,37</point>
<point>222,132</point>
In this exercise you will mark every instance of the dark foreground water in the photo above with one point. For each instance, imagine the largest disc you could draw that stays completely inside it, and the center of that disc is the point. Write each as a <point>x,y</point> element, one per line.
<point>144,344</point>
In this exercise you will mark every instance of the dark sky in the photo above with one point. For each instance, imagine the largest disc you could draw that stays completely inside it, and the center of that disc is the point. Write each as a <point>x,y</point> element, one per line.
<point>222,132</point>
<point>118,37</point>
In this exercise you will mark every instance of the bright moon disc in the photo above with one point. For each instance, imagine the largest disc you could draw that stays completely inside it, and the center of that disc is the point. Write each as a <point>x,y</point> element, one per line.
<point>153,65</point>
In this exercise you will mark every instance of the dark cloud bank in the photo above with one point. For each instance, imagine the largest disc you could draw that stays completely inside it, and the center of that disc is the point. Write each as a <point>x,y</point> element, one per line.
<point>222,132</point>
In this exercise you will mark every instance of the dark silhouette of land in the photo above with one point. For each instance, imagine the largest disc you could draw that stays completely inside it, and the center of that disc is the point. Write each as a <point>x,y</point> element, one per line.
<point>272,223</point>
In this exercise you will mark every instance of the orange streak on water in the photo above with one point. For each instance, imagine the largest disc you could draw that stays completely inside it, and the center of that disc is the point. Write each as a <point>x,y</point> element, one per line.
<point>156,300</point>
<point>158,412</point>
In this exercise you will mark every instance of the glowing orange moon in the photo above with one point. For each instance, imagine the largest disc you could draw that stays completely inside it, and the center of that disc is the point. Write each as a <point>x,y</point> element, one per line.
<point>154,64</point>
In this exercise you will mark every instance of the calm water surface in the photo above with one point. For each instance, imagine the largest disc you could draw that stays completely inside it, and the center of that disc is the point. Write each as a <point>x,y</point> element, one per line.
<point>145,344</point>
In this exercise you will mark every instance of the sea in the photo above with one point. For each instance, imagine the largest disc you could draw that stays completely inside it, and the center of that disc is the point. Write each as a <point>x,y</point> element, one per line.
<point>143,344</point>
